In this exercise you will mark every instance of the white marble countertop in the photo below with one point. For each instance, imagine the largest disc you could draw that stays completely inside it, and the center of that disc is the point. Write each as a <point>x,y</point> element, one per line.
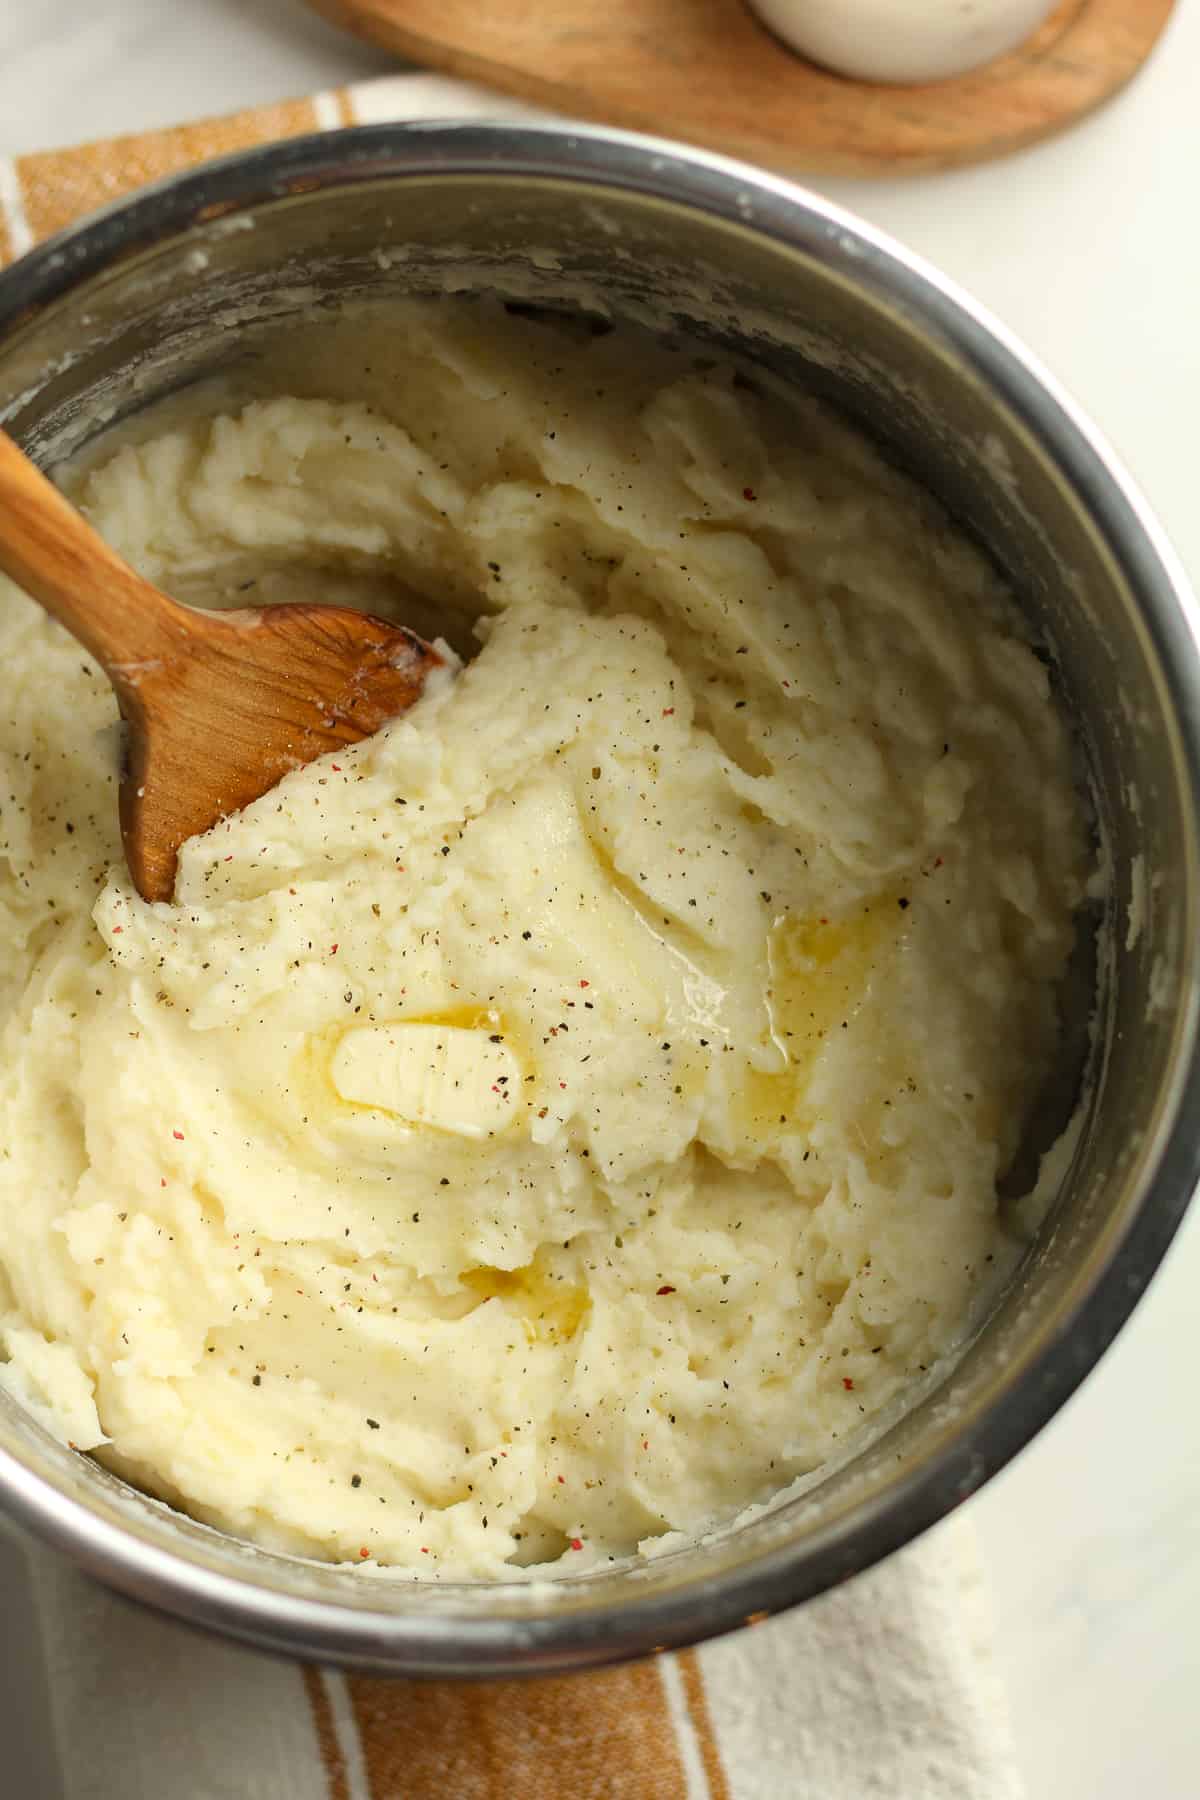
<point>1089,247</point>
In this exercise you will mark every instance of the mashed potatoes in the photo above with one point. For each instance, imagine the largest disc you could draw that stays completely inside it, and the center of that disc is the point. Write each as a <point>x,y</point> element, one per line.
<point>573,1113</point>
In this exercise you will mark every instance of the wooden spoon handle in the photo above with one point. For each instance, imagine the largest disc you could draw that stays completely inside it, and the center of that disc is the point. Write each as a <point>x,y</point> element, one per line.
<point>50,550</point>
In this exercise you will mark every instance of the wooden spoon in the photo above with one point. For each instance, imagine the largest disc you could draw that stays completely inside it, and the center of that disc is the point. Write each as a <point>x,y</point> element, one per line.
<point>218,705</point>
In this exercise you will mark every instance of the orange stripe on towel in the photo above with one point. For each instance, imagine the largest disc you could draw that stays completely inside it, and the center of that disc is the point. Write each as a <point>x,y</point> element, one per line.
<point>697,1704</point>
<point>58,186</point>
<point>332,1759</point>
<point>592,1737</point>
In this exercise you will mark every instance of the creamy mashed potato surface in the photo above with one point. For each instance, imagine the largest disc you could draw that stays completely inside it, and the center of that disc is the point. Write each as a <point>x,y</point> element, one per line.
<point>575,1112</point>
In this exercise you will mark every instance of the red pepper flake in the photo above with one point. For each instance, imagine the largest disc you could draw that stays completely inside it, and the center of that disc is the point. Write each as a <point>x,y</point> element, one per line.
<point>645,1443</point>
<point>577,1543</point>
<point>562,1481</point>
<point>229,858</point>
<point>162,1181</point>
<point>665,1289</point>
<point>937,862</point>
<point>749,494</point>
<point>364,1553</point>
<point>333,949</point>
<point>667,711</point>
<point>178,1136</point>
<point>562,1084</point>
<point>336,767</point>
<point>847,1383</point>
<point>582,983</point>
<point>424,1549</point>
<point>117,928</point>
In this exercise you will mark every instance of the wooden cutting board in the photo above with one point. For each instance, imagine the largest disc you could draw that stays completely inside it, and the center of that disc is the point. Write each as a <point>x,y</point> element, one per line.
<point>707,72</point>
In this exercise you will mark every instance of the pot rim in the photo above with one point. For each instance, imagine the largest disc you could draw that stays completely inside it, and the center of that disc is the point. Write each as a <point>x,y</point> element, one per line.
<point>409,1641</point>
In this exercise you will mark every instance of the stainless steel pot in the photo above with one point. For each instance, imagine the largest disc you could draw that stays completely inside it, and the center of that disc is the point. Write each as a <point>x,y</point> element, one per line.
<point>202,274</point>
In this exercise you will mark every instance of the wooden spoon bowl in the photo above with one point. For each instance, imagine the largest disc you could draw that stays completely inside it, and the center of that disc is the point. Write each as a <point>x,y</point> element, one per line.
<point>218,706</point>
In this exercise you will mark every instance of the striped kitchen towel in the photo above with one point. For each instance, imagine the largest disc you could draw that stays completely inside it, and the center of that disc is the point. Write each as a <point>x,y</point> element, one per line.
<point>41,193</point>
<point>883,1690</point>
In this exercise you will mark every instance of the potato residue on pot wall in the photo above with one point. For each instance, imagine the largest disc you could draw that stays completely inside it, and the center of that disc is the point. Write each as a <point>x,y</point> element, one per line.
<point>572,1114</point>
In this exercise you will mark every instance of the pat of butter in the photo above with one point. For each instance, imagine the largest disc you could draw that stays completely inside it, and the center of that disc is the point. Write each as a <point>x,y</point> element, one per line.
<point>445,1076</point>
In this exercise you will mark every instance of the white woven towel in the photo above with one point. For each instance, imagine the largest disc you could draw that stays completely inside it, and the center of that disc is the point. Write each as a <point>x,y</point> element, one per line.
<point>884,1690</point>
